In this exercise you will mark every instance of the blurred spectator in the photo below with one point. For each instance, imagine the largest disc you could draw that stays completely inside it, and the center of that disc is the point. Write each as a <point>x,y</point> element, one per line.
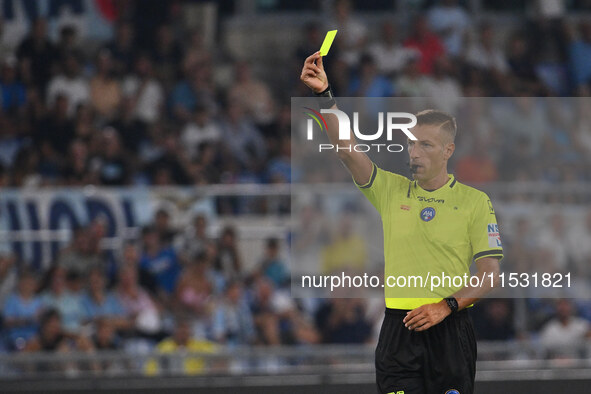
<point>79,256</point>
<point>169,166</point>
<point>265,316</point>
<point>99,304</point>
<point>195,89</point>
<point>195,240</point>
<point>133,132</point>
<point>68,43</point>
<point>181,348</point>
<point>276,318</point>
<point>580,59</point>
<point>201,129</point>
<point>389,55</point>
<point>279,169</point>
<point>564,335</point>
<point>137,304</point>
<point>12,90</point>
<point>451,22</point>
<point>167,54</point>
<point>196,50</point>
<point>105,337</point>
<point>228,261</point>
<point>160,261</point>
<point>52,338</point>
<point>37,55</point>
<point>56,130</point>
<point>122,48</point>
<point>272,265</point>
<point>342,320</point>
<point>105,90</point>
<point>410,82</point>
<point>65,295</point>
<point>442,84</point>
<point>477,166</point>
<point>21,312</point>
<point>163,227</point>
<point>205,169</point>
<point>69,83</point>
<point>253,95</point>
<point>495,320</point>
<point>553,237</point>
<point>195,287</point>
<point>112,165</point>
<point>520,58</point>
<point>346,251</point>
<point>485,54</point>
<point>232,319</point>
<point>311,42</point>
<point>76,171</point>
<point>352,33</point>
<point>144,94</point>
<point>524,118</point>
<point>240,137</point>
<point>369,83</point>
<point>427,43</point>
<point>85,123</point>
<point>8,276</point>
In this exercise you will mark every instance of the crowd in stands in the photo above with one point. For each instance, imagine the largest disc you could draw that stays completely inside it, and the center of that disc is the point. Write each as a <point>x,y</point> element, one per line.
<point>159,109</point>
<point>188,288</point>
<point>127,113</point>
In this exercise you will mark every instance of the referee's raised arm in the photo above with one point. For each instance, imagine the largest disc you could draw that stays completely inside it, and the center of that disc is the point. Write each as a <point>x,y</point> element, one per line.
<point>358,163</point>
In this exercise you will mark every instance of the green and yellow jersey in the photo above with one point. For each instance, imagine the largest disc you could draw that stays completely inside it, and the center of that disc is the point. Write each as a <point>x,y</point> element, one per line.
<point>429,233</point>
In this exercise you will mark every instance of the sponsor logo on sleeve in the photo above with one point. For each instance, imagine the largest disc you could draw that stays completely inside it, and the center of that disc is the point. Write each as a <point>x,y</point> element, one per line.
<point>494,238</point>
<point>491,210</point>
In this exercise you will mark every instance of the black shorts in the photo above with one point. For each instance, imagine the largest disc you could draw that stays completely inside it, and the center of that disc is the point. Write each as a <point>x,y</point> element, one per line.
<point>438,360</point>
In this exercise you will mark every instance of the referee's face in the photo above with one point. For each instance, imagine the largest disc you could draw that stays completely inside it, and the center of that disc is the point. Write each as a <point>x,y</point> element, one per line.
<point>430,152</point>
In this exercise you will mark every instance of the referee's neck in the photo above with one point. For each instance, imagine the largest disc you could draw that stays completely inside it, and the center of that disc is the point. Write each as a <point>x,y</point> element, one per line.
<point>434,183</point>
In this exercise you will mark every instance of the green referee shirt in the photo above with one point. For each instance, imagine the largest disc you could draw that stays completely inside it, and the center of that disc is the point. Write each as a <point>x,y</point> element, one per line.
<point>429,234</point>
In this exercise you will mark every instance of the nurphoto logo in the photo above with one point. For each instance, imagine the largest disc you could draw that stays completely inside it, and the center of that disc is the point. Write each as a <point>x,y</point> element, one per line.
<point>345,128</point>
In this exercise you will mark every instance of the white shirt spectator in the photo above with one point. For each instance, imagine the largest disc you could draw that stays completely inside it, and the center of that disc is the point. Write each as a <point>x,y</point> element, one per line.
<point>352,34</point>
<point>492,59</point>
<point>149,98</point>
<point>76,89</point>
<point>439,88</point>
<point>558,336</point>
<point>450,23</point>
<point>391,59</point>
<point>194,135</point>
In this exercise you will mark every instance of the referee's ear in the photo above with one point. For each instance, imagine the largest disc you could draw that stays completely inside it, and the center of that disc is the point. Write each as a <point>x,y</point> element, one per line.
<point>448,150</point>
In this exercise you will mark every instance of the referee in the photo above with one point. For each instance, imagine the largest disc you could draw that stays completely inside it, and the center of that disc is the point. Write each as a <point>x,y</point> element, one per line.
<point>432,225</point>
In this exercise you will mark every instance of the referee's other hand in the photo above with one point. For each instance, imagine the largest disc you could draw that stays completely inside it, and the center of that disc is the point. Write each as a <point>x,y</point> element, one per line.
<point>313,74</point>
<point>426,316</point>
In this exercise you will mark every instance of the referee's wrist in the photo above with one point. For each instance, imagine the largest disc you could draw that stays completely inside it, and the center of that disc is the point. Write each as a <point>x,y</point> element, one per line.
<point>326,98</point>
<point>452,304</point>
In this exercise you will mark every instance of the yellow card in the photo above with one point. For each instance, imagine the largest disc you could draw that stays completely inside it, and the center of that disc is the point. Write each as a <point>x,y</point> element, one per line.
<point>327,42</point>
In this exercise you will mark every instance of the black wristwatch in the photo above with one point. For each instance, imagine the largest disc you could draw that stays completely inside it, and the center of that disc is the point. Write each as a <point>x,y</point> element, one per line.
<point>452,303</point>
<point>326,97</point>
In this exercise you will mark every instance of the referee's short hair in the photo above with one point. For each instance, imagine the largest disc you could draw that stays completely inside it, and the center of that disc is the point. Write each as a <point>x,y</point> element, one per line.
<point>443,120</point>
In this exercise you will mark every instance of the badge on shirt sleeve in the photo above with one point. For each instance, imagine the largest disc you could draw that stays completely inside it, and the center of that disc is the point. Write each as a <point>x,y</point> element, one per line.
<point>494,238</point>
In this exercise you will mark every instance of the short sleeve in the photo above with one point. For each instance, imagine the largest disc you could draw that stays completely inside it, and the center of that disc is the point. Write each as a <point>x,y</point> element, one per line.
<point>374,189</point>
<point>484,230</point>
<point>383,186</point>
